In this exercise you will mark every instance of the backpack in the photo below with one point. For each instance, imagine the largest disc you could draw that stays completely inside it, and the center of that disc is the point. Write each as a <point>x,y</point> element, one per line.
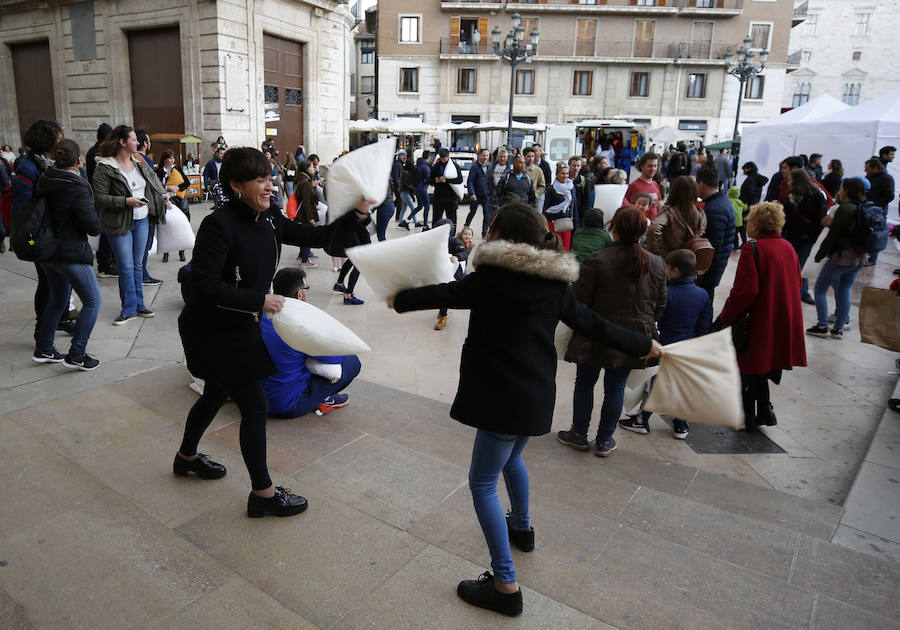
<point>700,245</point>
<point>33,238</point>
<point>871,232</point>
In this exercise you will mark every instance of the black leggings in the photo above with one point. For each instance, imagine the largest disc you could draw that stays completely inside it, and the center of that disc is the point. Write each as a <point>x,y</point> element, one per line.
<point>251,400</point>
<point>354,276</point>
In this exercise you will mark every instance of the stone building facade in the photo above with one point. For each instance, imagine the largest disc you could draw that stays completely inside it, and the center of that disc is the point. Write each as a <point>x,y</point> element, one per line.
<point>242,69</point>
<point>844,48</point>
<point>657,62</point>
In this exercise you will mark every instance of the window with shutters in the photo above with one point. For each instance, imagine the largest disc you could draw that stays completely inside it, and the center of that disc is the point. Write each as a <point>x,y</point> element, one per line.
<point>754,87</point>
<point>582,83</point>
<point>465,81</point>
<point>643,38</point>
<point>410,29</point>
<point>640,84</point>
<point>469,35</point>
<point>761,35</point>
<point>409,80</point>
<point>524,81</point>
<point>801,94</point>
<point>696,85</point>
<point>585,37</point>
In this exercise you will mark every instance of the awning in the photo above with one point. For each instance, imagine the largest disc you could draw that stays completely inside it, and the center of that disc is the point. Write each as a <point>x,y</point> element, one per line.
<point>721,145</point>
<point>176,137</point>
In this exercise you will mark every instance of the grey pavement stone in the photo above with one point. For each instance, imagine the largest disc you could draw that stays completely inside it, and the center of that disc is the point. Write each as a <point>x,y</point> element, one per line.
<point>834,615</point>
<point>874,504</point>
<point>12,615</point>
<point>803,515</point>
<point>864,542</point>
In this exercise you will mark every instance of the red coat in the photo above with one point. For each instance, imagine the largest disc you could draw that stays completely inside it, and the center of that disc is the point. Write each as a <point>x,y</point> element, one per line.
<point>772,293</point>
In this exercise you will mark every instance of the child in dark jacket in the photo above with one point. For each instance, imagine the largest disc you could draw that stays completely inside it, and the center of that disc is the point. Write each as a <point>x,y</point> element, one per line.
<point>688,314</point>
<point>590,238</point>
<point>517,295</point>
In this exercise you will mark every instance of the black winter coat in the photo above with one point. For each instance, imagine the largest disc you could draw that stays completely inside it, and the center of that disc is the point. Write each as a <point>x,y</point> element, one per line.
<point>73,214</point>
<point>234,261</point>
<point>803,218</point>
<point>751,189</point>
<point>518,295</point>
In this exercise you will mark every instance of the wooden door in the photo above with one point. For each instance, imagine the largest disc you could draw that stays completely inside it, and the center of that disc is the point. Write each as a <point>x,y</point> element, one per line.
<point>34,98</point>
<point>283,92</point>
<point>701,42</point>
<point>585,37</point>
<point>643,38</point>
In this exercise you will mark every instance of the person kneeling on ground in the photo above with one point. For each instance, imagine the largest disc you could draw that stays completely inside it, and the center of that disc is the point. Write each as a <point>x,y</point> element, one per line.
<point>302,384</point>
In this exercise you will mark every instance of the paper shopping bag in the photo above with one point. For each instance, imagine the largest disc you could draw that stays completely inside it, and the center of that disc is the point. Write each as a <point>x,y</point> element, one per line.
<point>879,318</point>
<point>699,381</point>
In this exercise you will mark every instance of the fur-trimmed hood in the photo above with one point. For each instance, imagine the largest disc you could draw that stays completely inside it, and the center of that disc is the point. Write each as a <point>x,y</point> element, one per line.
<point>544,263</point>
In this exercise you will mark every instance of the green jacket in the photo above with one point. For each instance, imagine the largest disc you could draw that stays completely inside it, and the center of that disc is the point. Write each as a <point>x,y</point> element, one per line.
<point>588,240</point>
<point>111,190</point>
<point>740,208</point>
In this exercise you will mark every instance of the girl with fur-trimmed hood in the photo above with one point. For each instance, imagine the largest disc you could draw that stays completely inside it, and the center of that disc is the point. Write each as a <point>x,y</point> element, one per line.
<point>517,295</point>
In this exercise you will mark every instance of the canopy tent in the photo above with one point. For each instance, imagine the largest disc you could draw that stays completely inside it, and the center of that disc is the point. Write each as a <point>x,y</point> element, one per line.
<point>372,125</point>
<point>502,125</point>
<point>461,126</point>
<point>769,141</point>
<point>669,135</point>
<point>180,138</point>
<point>726,144</point>
<point>410,126</point>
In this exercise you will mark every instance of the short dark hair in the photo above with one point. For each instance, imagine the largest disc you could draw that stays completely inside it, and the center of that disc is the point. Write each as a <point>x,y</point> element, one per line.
<point>65,153</point>
<point>855,188</point>
<point>42,135</point>
<point>708,175</point>
<point>426,154</point>
<point>885,150</point>
<point>103,132</point>
<point>815,156</point>
<point>593,218</point>
<point>288,281</point>
<point>875,163</point>
<point>683,260</point>
<point>750,165</point>
<point>537,144</point>
<point>312,157</point>
<point>650,155</point>
<point>527,151</point>
<point>142,137</point>
<point>242,164</point>
<point>794,161</point>
<point>444,152</point>
<point>304,166</point>
<point>166,155</point>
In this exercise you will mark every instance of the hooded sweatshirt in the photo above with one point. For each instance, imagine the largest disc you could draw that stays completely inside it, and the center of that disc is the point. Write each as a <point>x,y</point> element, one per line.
<point>739,206</point>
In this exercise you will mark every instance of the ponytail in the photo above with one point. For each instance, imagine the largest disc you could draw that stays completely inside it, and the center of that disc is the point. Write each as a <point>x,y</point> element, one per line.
<point>630,224</point>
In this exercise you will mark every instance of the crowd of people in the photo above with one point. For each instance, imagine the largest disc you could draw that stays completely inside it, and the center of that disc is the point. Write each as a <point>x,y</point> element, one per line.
<point>626,284</point>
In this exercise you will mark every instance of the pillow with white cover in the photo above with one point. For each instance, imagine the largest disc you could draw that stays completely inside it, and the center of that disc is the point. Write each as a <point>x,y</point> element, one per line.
<point>364,173</point>
<point>312,331</point>
<point>405,263</point>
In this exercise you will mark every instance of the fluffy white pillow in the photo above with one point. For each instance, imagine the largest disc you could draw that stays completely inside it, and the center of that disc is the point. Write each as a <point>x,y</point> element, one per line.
<point>175,234</point>
<point>609,198</point>
<point>699,381</point>
<point>450,172</point>
<point>361,174</point>
<point>310,330</point>
<point>404,263</point>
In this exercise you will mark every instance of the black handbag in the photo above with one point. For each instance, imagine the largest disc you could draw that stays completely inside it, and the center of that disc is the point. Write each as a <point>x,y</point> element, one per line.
<point>740,329</point>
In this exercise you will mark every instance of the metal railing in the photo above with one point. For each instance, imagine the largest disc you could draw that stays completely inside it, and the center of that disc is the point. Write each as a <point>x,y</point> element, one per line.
<point>589,49</point>
<point>679,4</point>
<point>794,58</point>
<point>801,10</point>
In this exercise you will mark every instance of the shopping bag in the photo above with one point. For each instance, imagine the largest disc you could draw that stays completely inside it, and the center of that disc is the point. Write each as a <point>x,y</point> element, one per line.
<point>636,386</point>
<point>879,318</point>
<point>312,331</point>
<point>361,174</point>
<point>175,234</point>
<point>450,172</point>
<point>699,381</point>
<point>404,263</point>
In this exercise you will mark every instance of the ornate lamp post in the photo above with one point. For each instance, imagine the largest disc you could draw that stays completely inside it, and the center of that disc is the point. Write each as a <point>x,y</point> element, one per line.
<point>513,50</point>
<point>743,70</point>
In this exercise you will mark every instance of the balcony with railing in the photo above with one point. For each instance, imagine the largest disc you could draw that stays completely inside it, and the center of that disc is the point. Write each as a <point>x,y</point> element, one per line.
<point>801,9</point>
<point>665,7</point>
<point>590,50</point>
<point>793,61</point>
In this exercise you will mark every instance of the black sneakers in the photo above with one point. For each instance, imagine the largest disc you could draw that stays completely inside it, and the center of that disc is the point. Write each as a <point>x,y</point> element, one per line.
<point>284,503</point>
<point>85,362</point>
<point>635,423</point>
<point>481,593</point>
<point>604,447</point>
<point>575,440</point>
<point>817,331</point>
<point>680,429</point>
<point>522,539</point>
<point>47,357</point>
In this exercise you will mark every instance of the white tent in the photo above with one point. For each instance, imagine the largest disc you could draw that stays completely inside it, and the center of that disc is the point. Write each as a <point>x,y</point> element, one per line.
<point>855,134</point>
<point>664,136</point>
<point>768,142</point>
<point>410,126</point>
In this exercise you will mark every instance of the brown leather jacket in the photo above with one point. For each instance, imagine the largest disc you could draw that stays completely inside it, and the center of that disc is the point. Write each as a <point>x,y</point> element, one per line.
<point>669,231</point>
<point>603,286</point>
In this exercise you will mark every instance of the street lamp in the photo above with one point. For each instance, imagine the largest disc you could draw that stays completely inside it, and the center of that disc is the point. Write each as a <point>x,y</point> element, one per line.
<point>743,70</point>
<point>513,50</point>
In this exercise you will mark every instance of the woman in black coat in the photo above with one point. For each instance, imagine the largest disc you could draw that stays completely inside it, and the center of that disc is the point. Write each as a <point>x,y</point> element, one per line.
<point>804,210</point>
<point>751,188</point>
<point>234,260</point>
<point>507,375</point>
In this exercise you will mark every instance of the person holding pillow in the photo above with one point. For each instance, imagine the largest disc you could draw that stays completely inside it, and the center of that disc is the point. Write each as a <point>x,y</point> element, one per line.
<point>233,263</point>
<point>302,384</point>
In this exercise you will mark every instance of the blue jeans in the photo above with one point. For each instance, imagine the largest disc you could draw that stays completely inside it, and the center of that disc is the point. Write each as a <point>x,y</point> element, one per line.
<point>407,200</point>
<point>383,218</point>
<point>484,202</point>
<point>491,454</point>
<point>422,201</point>
<point>320,388</point>
<point>61,279</point>
<point>586,375</point>
<point>130,251</point>
<point>151,232</point>
<point>841,277</point>
<point>803,249</point>
<point>289,188</point>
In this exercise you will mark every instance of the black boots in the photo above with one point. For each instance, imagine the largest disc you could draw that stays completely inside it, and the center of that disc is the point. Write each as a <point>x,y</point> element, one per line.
<point>284,503</point>
<point>521,539</point>
<point>481,593</point>
<point>202,466</point>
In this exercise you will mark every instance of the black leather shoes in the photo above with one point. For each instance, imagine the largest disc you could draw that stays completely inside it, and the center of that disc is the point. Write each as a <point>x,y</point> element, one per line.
<point>202,466</point>
<point>521,539</point>
<point>284,503</point>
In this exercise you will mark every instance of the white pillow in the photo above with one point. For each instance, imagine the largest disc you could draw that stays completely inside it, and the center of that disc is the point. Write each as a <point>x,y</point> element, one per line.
<point>609,198</point>
<point>175,234</point>
<point>310,330</point>
<point>450,172</point>
<point>636,386</point>
<point>699,381</point>
<point>361,174</point>
<point>404,263</point>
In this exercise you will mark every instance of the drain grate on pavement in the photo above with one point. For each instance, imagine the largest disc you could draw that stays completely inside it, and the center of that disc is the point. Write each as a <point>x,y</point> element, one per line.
<point>710,440</point>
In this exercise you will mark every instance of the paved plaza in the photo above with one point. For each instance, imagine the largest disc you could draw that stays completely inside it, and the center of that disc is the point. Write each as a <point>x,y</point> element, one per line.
<point>96,532</point>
